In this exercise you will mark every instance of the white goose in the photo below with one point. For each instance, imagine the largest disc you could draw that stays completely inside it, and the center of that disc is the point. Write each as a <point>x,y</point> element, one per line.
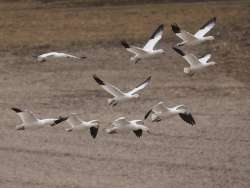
<point>148,50</point>
<point>122,125</point>
<point>29,120</point>
<point>198,38</point>
<point>195,63</point>
<point>56,55</point>
<point>76,124</point>
<point>160,111</point>
<point>117,94</point>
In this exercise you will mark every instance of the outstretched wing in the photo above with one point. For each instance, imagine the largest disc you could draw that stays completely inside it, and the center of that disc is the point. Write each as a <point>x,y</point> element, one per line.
<point>148,113</point>
<point>93,131</point>
<point>140,86</point>
<point>47,55</point>
<point>138,122</point>
<point>71,56</point>
<point>187,117</point>
<point>112,130</point>
<point>184,35</point>
<point>154,39</point>
<point>181,107</point>
<point>133,49</point>
<point>190,58</point>
<point>138,133</point>
<point>206,28</point>
<point>121,121</point>
<point>157,109</point>
<point>74,120</point>
<point>26,116</point>
<point>108,87</point>
<point>205,58</point>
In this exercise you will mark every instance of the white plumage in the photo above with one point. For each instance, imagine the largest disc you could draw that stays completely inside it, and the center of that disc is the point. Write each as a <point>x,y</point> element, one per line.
<point>29,120</point>
<point>199,37</point>
<point>195,64</point>
<point>160,111</point>
<point>117,94</point>
<point>77,124</point>
<point>56,55</point>
<point>122,125</point>
<point>148,50</point>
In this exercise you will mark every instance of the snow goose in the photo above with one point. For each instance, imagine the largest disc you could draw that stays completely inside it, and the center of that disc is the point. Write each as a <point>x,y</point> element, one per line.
<point>30,120</point>
<point>195,63</point>
<point>56,55</point>
<point>77,124</point>
<point>199,37</point>
<point>148,50</point>
<point>117,94</point>
<point>161,111</point>
<point>122,125</point>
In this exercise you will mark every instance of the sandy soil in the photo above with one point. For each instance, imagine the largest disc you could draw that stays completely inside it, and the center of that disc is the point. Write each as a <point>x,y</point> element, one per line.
<point>214,153</point>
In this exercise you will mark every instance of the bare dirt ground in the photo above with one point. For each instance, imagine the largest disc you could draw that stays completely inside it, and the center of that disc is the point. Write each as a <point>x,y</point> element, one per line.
<point>214,153</point>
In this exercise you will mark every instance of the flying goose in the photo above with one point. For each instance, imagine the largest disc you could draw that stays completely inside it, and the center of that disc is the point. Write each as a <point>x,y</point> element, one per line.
<point>30,120</point>
<point>199,37</point>
<point>161,111</point>
<point>122,125</point>
<point>195,63</point>
<point>148,50</point>
<point>77,124</point>
<point>117,94</point>
<point>56,55</point>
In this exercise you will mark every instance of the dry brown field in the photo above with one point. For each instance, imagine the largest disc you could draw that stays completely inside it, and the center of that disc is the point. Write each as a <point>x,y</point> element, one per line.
<point>215,153</point>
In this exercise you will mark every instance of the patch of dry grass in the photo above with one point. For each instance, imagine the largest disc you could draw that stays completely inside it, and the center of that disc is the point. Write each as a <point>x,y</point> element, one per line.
<point>44,28</point>
<point>33,28</point>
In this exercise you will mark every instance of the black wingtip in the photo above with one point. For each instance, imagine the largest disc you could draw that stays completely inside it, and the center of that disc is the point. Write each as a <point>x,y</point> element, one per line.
<point>17,110</point>
<point>148,79</point>
<point>175,28</point>
<point>147,114</point>
<point>98,80</point>
<point>137,61</point>
<point>83,57</point>
<point>179,51</point>
<point>93,131</point>
<point>159,29</point>
<point>145,81</point>
<point>125,44</point>
<point>59,120</point>
<point>187,118</point>
<point>138,133</point>
<point>204,55</point>
<point>212,20</point>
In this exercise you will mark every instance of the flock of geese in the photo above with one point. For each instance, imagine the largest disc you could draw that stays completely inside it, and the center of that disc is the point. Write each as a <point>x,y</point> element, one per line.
<point>158,112</point>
